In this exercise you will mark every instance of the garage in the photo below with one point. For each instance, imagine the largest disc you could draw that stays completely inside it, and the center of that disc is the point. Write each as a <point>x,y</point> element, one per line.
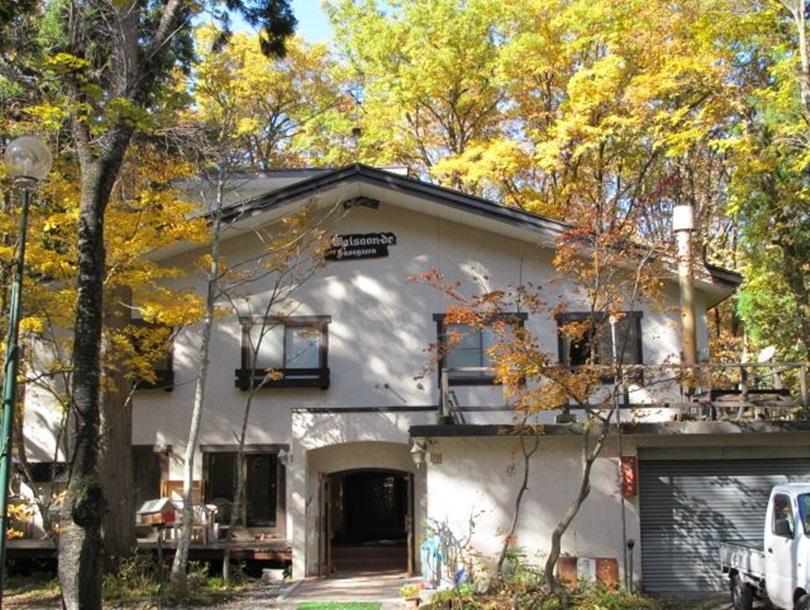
<point>688,506</point>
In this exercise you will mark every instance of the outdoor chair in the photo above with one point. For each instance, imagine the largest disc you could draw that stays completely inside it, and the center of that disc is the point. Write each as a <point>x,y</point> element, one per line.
<point>203,525</point>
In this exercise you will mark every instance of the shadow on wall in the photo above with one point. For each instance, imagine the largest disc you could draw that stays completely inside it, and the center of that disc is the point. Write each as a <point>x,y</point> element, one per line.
<point>689,508</point>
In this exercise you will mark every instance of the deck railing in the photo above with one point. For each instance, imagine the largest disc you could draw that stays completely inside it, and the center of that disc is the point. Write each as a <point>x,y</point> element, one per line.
<point>711,390</point>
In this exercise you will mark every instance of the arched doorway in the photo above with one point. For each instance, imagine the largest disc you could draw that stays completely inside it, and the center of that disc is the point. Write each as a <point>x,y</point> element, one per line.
<point>369,520</point>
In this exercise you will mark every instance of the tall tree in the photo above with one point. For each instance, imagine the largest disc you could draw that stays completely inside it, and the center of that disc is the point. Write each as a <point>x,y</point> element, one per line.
<point>770,191</point>
<point>280,104</point>
<point>144,214</point>
<point>113,61</point>
<point>424,78</point>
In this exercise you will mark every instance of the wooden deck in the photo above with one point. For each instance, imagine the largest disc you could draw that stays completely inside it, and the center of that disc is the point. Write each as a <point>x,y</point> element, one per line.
<point>257,550</point>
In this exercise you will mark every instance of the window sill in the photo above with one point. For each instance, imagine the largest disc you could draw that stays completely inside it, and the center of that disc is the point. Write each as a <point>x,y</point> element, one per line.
<point>164,380</point>
<point>470,381</point>
<point>247,379</point>
<point>632,376</point>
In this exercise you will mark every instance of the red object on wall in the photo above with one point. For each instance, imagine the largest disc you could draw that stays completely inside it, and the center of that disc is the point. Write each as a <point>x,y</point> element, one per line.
<point>629,476</point>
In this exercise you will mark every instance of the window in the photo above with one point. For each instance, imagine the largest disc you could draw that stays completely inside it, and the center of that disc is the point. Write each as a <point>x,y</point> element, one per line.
<point>804,512</point>
<point>149,468</point>
<point>470,350</point>
<point>782,521</point>
<point>264,486</point>
<point>154,342</point>
<point>47,478</point>
<point>284,352</point>
<point>576,350</point>
<point>47,472</point>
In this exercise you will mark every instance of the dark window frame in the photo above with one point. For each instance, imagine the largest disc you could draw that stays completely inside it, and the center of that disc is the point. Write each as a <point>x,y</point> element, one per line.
<point>164,377</point>
<point>162,453</point>
<point>46,473</point>
<point>481,380</point>
<point>576,316</point>
<point>248,377</point>
<point>280,527</point>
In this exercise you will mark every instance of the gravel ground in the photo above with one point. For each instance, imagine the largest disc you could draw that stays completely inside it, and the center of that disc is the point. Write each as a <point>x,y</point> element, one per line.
<point>719,601</point>
<point>264,598</point>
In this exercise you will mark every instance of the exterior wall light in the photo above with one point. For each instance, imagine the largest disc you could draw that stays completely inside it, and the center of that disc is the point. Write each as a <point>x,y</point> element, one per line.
<point>418,453</point>
<point>28,161</point>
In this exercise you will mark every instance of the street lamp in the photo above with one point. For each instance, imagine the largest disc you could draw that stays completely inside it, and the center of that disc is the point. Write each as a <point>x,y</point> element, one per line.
<point>28,161</point>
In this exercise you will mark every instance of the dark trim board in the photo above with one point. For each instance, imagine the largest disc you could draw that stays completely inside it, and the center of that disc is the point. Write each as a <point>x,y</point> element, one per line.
<point>249,448</point>
<point>652,429</point>
<point>392,409</point>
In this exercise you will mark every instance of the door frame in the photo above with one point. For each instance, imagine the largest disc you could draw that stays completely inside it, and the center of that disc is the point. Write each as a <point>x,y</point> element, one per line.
<point>325,523</point>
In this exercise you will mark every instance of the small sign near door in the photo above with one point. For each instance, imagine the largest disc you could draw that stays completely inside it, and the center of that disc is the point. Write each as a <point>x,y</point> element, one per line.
<point>360,245</point>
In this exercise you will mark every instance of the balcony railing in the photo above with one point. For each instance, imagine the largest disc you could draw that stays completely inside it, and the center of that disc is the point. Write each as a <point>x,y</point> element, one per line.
<point>709,391</point>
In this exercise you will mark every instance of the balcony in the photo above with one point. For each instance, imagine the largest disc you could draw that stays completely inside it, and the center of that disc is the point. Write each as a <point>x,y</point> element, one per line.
<point>773,391</point>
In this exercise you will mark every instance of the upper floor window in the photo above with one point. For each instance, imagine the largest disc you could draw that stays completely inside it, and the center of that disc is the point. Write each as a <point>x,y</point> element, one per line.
<point>588,338</point>
<point>154,342</point>
<point>285,352</point>
<point>465,346</point>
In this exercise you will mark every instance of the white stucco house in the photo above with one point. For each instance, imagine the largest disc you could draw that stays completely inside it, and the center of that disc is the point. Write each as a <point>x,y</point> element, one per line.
<point>332,480</point>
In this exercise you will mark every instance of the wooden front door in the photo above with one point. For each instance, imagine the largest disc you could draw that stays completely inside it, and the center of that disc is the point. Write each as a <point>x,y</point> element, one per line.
<point>324,526</point>
<point>409,525</point>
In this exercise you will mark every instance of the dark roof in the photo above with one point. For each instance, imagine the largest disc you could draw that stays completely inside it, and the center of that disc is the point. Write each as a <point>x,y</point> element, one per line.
<point>442,195</point>
<point>724,276</point>
<point>397,182</point>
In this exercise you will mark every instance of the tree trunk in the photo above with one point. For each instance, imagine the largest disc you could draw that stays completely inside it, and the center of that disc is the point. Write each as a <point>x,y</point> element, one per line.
<point>239,490</point>
<point>115,463</point>
<point>80,542</point>
<point>589,457</point>
<point>178,576</point>
<point>509,540</point>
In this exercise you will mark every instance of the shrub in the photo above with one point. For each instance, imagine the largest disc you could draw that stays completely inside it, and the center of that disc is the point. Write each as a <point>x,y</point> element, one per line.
<point>598,596</point>
<point>135,578</point>
<point>508,594</point>
<point>409,591</point>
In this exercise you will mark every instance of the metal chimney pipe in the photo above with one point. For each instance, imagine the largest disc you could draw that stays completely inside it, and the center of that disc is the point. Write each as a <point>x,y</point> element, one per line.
<point>683,224</point>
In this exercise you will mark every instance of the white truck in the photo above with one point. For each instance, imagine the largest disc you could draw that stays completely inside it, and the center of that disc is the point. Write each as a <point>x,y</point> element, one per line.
<point>779,572</point>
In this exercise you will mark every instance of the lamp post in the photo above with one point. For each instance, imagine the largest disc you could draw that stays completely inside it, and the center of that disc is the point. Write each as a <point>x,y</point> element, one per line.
<point>28,161</point>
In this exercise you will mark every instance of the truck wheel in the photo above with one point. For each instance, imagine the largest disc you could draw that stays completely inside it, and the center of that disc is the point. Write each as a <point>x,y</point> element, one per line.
<point>742,594</point>
<point>803,603</point>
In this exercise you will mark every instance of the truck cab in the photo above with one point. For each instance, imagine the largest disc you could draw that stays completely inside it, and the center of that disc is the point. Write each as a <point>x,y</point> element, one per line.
<point>786,543</point>
<point>777,572</point>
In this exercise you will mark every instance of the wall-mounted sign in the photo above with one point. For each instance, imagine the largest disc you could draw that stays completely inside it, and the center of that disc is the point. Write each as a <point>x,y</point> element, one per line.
<point>360,245</point>
<point>629,476</point>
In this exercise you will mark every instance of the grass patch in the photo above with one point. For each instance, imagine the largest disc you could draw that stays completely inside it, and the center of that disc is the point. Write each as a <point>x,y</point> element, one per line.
<point>24,591</point>
<point>339,606</point>
<point>136,582</point>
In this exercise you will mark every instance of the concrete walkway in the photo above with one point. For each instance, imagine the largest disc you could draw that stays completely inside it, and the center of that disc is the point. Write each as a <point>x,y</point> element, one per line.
<point>359,587</point>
